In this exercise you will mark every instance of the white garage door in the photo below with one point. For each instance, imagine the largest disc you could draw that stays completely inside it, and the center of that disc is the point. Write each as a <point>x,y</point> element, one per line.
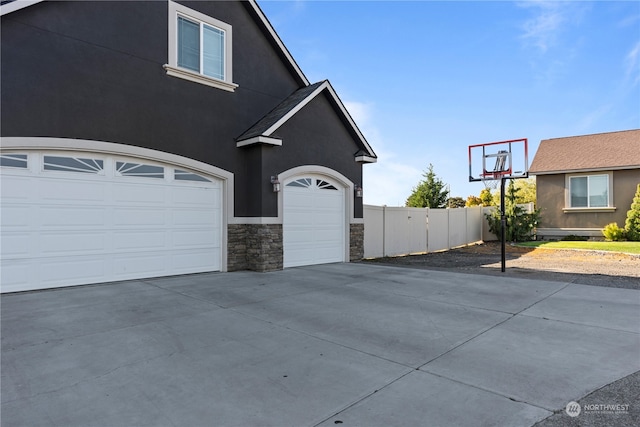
<point>71,219</point>
<point>313,222</point>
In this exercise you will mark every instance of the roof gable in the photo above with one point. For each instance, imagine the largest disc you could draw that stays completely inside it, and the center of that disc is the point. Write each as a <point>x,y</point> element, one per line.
<point>262,132</point>
<point>276,117</point>
<point>603,151</point>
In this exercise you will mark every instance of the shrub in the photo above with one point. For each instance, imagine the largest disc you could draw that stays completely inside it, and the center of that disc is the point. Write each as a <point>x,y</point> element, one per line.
<point>521,225</point>
<point>632,224</point>
<point>574,238</point>
<point>613,232</point>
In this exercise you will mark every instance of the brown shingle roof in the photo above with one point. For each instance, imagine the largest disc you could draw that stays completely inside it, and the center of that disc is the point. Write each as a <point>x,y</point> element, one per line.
<point>612,150</point>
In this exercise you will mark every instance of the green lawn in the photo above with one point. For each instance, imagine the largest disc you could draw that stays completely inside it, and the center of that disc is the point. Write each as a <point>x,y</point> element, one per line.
<point>628,247</point>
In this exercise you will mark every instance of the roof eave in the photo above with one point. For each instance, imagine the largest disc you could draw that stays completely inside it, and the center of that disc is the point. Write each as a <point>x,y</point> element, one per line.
<point>366,159</point>
<point>599,169</point>
<point>260,139</point>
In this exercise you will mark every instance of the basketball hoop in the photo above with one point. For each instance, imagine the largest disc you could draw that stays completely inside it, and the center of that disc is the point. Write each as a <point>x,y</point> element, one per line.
<point>501,168</point>
<point>494,163</point>
<point>490,183</point>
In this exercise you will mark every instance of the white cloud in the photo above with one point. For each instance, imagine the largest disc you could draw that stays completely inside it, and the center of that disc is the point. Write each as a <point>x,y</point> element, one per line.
<point>542,28</point>
<point>632,61</point>
<point>629,21</point>
<point>360,112</point>
<point>390,180</point>
<point>591,120</point>
<point>549,20</point>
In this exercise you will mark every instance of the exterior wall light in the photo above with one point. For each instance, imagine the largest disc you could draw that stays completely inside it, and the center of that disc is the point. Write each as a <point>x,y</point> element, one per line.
<point>358,190</point>
<point>276,184</point>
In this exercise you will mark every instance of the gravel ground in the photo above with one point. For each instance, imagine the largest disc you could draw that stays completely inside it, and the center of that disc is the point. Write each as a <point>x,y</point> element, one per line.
<point>594,268</point>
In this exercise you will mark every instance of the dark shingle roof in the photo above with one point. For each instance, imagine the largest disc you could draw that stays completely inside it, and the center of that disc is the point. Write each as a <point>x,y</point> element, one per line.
<point>612,150</point>
<point>279,112</point>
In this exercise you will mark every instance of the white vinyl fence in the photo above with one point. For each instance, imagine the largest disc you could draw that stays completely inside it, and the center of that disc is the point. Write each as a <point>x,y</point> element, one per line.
<point>391,231</point>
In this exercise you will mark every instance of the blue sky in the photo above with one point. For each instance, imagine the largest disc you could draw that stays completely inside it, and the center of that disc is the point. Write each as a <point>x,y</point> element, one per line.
<point>425,79</point>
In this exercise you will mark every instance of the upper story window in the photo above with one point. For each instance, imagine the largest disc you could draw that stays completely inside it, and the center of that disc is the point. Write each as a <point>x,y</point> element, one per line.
<point>589,191</point>
<point>200,48</point>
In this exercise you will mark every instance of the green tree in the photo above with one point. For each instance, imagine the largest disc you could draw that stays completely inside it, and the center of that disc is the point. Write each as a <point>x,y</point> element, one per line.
<point>632,223</point>
<point>473,201</point>
<point>520,224</point>
<point>526,191</point>
<point>486,198</point>
<point>455,202</point>
<point>429,193</point>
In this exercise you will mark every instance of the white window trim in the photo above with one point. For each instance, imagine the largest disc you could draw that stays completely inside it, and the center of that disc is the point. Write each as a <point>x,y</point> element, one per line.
<point>172,68</point>
<point>567,194</point>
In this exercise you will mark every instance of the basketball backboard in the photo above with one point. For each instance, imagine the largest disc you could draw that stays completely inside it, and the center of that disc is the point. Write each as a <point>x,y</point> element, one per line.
<point>496,160</point>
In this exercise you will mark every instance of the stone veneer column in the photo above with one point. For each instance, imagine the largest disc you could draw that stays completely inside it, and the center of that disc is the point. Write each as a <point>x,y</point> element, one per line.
<point>236,247</point>
<point>356,242</point>
<point>264,247</point>
<point>256,247</point>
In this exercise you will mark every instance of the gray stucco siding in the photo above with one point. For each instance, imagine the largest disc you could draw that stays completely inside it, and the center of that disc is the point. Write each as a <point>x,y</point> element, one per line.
<point>104,80</point>
<point>94,71</point>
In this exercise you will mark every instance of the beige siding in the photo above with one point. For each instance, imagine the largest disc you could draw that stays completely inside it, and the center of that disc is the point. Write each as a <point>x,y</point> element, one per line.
<point>551,200</point>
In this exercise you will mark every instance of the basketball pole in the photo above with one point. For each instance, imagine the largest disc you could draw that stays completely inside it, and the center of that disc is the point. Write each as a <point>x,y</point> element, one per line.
<point>503,226</point>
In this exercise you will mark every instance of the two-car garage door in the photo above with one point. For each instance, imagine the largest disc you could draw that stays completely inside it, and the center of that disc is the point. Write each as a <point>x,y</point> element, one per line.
<point>72,219</point>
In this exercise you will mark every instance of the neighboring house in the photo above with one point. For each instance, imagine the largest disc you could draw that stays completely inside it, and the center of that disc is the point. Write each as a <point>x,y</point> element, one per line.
<point>585,182</point>
<point>153,138</point>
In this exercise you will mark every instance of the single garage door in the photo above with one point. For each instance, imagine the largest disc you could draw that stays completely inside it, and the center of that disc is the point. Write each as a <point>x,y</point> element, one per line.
<point>72,219</point>
<point>313,222</point>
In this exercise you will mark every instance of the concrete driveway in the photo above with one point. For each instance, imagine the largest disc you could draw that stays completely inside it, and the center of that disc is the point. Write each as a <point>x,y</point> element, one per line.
<point>347,344</point>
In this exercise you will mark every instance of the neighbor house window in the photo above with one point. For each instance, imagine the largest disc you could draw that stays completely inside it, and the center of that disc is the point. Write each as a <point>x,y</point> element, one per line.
<point>199,48</point>
<point>589,191</point>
